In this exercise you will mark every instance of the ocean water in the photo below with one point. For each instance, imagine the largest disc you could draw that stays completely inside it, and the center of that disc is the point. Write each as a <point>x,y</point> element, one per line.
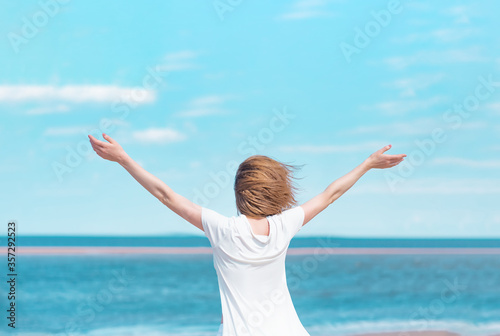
<point>111,295</point>
<point>202,241</point>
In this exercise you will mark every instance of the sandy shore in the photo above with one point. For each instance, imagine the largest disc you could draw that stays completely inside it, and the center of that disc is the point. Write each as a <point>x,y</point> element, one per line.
<point>417,333</point>
<point>414,333</point>
<point>72,250</point>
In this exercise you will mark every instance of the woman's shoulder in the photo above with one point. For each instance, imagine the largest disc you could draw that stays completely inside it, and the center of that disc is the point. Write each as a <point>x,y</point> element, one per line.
<point>290,212</point>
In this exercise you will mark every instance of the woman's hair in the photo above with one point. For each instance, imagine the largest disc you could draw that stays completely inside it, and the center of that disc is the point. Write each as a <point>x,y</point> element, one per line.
<point>264,187</point>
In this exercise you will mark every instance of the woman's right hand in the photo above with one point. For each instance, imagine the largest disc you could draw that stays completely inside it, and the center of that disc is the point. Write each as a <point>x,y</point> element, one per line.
<point>380,160</point>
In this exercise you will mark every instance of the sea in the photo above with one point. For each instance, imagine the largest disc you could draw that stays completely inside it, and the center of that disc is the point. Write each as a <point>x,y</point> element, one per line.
<point>177,294</point>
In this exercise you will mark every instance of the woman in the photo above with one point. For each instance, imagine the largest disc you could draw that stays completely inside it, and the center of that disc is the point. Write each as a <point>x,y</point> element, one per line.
<point>249,250</point>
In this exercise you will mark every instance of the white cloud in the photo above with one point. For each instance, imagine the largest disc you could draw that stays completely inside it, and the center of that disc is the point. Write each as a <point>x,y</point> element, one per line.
<point>409,86</point>
<point>62,192</point>
<point>445,35</point>
<point>474,125</point>
<point>432,57</point>
<point>451,35</point>
<point>195,164</point>
<point>64,131</point>
<point>456,161</point>
<point>306,9</point>
<point>460,14</point>
<point>178,61</point>
<point>205,105</point>
<point>215,75</point>
<point>158,135</point>
<point>397,107</point>
<point>180,56</point>
<point>61,108</point>
<point>118,122</point>
<point>494,107</point>
<point>419,22</point>
<point>433,186</point>
<point>418,6</point>
<point>422,126</point>
<point>81,130</point>
<point>208,100</point>
<point>321,149</point>
<point>75,94</point>
<point>415,127</point>
<point>494,147</point>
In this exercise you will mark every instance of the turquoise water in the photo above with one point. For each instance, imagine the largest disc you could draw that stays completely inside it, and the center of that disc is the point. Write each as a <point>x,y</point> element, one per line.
<point>188,241</point>
<point>333,294</point>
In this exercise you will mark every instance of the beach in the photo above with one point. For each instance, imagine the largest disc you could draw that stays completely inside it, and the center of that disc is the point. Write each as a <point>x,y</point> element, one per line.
<point>417,333</point>
<point>414,333</point>
<point>170,288</point>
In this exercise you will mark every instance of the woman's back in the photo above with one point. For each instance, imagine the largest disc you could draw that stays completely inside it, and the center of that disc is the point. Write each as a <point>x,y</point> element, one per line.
<point>251,273</point>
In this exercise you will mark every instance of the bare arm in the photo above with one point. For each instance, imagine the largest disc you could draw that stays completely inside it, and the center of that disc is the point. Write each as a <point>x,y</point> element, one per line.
<point>338,187</point>
<point>112,151</point>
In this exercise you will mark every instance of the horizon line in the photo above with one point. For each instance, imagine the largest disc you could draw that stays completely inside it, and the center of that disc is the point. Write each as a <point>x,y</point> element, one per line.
<point>203,236</point>
<point>100,250</point>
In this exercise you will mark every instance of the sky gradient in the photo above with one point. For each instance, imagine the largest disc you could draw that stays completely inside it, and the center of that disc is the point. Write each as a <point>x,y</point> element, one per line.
<point>192,88</point>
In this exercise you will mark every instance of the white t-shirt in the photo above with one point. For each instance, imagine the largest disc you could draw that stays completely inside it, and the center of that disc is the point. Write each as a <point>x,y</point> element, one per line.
<point>251,273</point>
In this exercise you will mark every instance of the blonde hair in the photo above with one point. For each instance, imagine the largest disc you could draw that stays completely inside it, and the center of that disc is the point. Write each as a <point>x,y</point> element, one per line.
<point>264,187</point>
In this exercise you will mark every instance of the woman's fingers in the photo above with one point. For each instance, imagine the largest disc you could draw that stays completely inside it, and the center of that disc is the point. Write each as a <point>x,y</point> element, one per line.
<point>395,162</point>
<point>96,142</point>
<point>97,145</point>
<point>396,159</point>
<point>96,149</point>
<point>384,149</point>
<point>109,149</point>
<point>381,160</point>
<point>92,139</point>
<point>395,156</point>
<point>108,138</point>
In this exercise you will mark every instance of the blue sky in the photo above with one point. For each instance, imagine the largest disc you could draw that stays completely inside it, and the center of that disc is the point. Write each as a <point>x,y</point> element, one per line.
<point>191,88</point>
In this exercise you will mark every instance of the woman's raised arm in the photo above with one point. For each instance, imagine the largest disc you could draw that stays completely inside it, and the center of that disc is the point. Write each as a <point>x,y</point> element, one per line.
<point>112,151</point>
<point>338,187</point>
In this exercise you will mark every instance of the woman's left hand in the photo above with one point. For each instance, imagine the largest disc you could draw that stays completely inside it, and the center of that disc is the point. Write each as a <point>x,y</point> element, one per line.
<point>110,150</point>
